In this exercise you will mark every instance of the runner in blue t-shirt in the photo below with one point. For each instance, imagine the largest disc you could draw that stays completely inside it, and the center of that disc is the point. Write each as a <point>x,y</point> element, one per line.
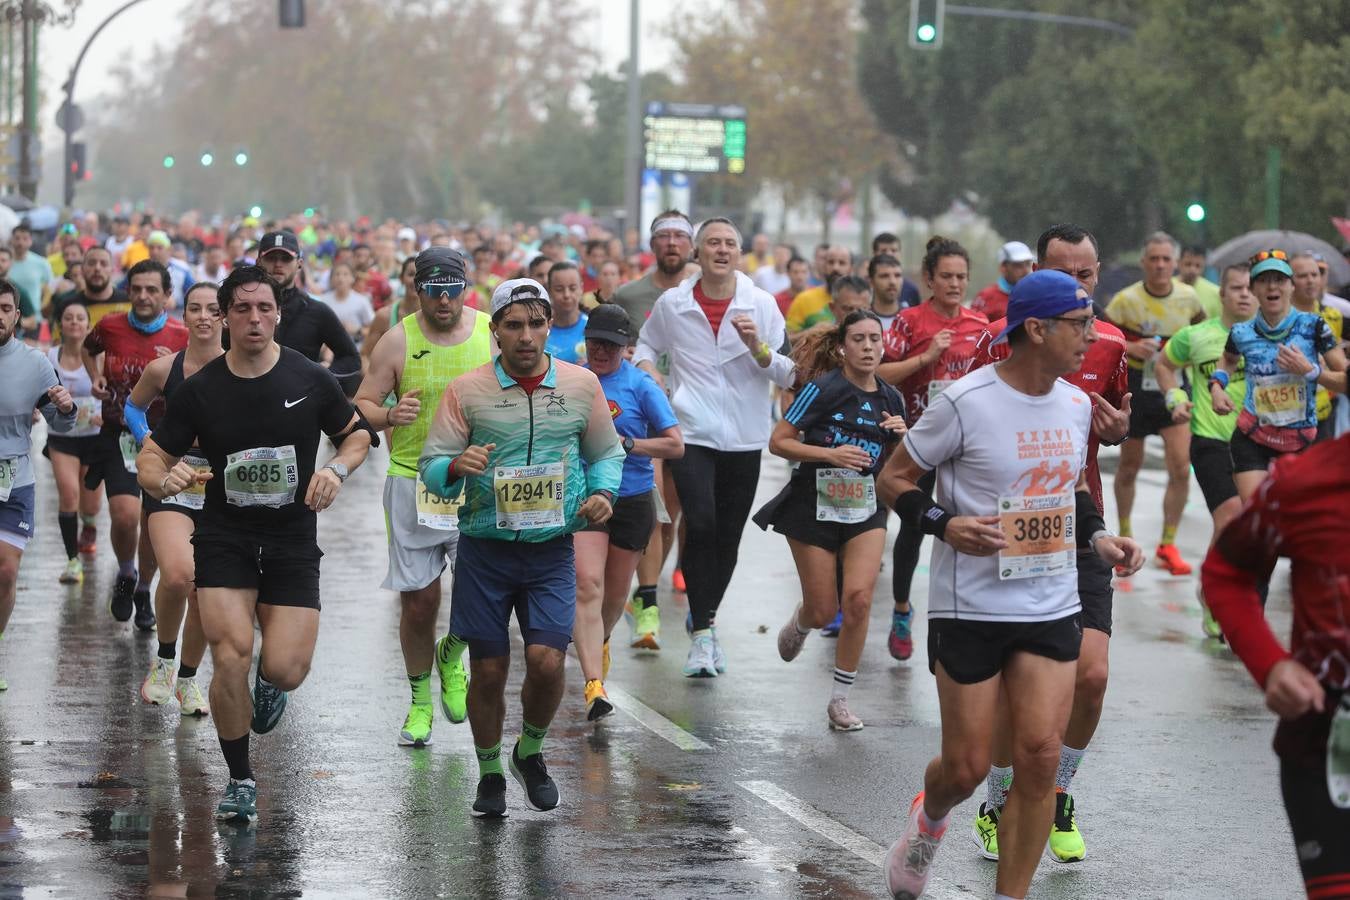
<point>566,336</point>
<point>607,555</point>
<point>1287,353</point>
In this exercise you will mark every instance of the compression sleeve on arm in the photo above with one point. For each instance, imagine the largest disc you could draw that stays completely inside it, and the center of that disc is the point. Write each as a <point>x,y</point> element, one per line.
<point>134,416</point>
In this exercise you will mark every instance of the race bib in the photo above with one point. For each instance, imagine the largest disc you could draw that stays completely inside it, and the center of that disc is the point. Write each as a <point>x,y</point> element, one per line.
<point>195,496</point>
<point>86,411</point>
<point>1039,532</point>
<point>845,496</point>
<point>127,444</point>
<point>937,386</point>
<point>1280,399</point>
<point>436,512</point>
<point>529,496</point>
<point>264,476</point>
<point>8,468</point>
<point>1149,381</point>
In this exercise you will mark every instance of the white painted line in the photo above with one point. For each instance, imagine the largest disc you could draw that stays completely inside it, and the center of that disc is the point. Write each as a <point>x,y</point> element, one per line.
<point>817,821</point>
<point>653,721</point>
<point>838,833</point>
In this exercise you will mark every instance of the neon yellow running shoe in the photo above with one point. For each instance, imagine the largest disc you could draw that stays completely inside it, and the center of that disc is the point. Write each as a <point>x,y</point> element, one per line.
<point>985,831</point>
<point>158,685</point>
<point>454,682</point>
<point>417,726</point>
<point>647,627</point>
<point>1066,843</point>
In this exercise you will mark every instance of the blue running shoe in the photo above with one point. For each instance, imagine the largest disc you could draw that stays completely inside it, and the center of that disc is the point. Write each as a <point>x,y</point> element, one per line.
<point>269,702</point>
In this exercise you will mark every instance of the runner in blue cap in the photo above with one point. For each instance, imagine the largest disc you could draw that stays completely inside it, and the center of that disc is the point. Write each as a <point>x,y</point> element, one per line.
<point>1011,509</point>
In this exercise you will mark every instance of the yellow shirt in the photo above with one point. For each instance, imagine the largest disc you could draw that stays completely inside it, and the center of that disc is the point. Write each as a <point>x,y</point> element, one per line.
<point>58,263</point>
<point>806,308</point>
<point>134,254</point>
<point>1140,314</point>
<point>1208,292</point>
<point>1336,322</point>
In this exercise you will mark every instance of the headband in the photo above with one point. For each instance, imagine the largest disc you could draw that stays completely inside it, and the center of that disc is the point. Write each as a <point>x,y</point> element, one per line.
<point>672,223</point>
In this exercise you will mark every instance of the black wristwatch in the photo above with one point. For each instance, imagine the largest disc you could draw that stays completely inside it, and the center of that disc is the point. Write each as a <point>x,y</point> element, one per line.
<point>628,443</point>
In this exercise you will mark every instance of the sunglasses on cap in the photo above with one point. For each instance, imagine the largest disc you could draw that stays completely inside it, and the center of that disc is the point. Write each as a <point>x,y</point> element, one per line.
<point>451,289</point>
<point>1269,254</point>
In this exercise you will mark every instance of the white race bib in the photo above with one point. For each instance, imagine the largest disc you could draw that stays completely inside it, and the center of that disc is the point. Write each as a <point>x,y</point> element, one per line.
<point>1280,399</point>
<point>86,411</point>
<point>1039,530</point>
<point>937,386</point>
<point>436,512</point>
<point>529,496</point>
<point>8,470</point>
<point>195,496</point>
<point>127,444</point>
<point>264,476</point>
<point>1150,380</point>
<point>845,496</point>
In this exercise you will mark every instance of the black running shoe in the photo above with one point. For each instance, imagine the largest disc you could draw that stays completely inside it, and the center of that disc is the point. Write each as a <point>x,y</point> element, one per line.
<point>145,611</point>
<point>491,802</point>
<point>540,792</point>
<point>124,591</point>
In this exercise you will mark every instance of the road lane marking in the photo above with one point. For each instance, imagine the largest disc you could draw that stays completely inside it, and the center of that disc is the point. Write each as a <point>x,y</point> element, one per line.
<point>836,832</point>
<point>653,721</point>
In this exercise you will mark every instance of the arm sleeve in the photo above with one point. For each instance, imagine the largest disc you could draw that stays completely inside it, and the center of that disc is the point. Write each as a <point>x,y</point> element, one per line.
<point>937,436</point>
<point>346,365</point>
<point>57,421</point>
<point>1326,340</point>
<point>1178,347</point>
<point>600,446</point>
<point>176,432</point>
<point>134,417</point>
<point>1246,552</point>
<point>654,338</point>
<point>447,438</point>
<point>336,409</point>
<point>656,408</point>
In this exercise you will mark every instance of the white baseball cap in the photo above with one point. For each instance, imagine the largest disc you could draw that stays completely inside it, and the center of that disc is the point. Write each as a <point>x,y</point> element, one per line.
<point>515,290</point>
<point>407,234</point>
<point>1015,252</point>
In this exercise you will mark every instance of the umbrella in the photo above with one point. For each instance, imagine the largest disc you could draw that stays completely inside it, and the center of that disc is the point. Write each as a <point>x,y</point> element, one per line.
<point>1244,246</point>
<point>43,218</point>
<point>8,219</point>
<point>16,202</point>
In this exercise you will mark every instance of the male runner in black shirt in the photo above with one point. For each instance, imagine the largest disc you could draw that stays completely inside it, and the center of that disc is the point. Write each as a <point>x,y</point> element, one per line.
<point>256,413</point>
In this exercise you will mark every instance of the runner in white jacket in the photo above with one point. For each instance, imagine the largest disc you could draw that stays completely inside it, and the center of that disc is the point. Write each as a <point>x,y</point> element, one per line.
<point>722,335</point>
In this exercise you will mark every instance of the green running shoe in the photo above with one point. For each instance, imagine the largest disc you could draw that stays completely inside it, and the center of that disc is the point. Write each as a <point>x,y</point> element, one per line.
<point>240,803</point>
<point>269,702</point>
<point>1066,843</point>
<point>1207,620</point>
<point>985,831</point>
<point>454,682</point>
<point>417,726</point>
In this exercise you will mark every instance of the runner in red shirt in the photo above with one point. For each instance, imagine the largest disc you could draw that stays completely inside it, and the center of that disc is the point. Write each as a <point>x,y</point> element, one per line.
<point>935,345</point>
<point>116,352</point>
<point>1103,376</point>
<point>1293,514</point>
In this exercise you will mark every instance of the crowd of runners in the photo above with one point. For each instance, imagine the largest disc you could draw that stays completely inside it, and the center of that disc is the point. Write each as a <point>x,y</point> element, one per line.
<point>565,410</point>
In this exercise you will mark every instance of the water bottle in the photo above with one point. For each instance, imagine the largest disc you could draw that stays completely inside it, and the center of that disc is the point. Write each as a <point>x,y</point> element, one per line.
<point>1338,755</point>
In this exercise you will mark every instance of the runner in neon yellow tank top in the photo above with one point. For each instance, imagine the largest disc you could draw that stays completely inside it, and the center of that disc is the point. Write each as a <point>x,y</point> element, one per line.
<point>415,361</point>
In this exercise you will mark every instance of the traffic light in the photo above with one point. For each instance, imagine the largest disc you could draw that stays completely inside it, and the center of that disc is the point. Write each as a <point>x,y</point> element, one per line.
<point>255,211</point>
<point>292,13</point>
<point>208,158</point>
<point>241,158</point>
<point>1196,212</point>
<point>925,23</point>
<point>169,161</point>
<point>78,159</point>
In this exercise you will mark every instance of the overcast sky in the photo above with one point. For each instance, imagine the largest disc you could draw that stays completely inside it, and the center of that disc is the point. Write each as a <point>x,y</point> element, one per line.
<point>160,22</point>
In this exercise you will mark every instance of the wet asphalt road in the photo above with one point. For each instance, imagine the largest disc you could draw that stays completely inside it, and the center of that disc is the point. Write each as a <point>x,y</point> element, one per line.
<point>696,788</point>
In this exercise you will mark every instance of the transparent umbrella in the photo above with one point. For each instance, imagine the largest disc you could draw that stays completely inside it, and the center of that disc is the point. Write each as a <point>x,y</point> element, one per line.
<point>1244,246</point>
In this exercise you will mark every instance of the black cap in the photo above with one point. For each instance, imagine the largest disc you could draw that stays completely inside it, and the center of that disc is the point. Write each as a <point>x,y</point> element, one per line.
<point>608,322</point>
<point>278,240</point>
<point>439,264</point>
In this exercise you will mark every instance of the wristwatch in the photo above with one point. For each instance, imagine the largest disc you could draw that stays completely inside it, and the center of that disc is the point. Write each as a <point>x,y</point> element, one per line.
<point>628,443</point>
<point>339,470</point>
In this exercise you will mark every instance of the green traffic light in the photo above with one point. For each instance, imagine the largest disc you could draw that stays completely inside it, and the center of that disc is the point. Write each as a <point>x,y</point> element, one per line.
<point>255,211</point>
<point>1195,212</point>
<point>207,159</point>
<point>168,162</point>
<point>241,158</point>
<point>926,33</point>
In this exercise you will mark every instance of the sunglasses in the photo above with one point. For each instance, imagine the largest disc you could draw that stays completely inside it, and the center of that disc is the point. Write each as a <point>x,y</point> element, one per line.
<point>451,289</point>
<point>1269,254</point>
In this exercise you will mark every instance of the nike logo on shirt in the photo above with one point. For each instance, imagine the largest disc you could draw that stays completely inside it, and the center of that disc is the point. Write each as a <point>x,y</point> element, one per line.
<point>289,403</point>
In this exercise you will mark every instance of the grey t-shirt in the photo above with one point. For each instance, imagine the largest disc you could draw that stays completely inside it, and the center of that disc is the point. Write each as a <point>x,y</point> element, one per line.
<point>637,299</point>
<point>27,376</point>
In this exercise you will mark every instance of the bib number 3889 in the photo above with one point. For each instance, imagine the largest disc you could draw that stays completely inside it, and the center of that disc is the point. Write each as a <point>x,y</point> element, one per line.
<point>1040,535</point>
<point>263,476</point>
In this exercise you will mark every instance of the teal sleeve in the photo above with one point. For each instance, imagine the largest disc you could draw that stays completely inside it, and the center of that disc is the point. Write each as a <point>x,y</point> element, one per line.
<point>605,473</point>
<point>435,474</point>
